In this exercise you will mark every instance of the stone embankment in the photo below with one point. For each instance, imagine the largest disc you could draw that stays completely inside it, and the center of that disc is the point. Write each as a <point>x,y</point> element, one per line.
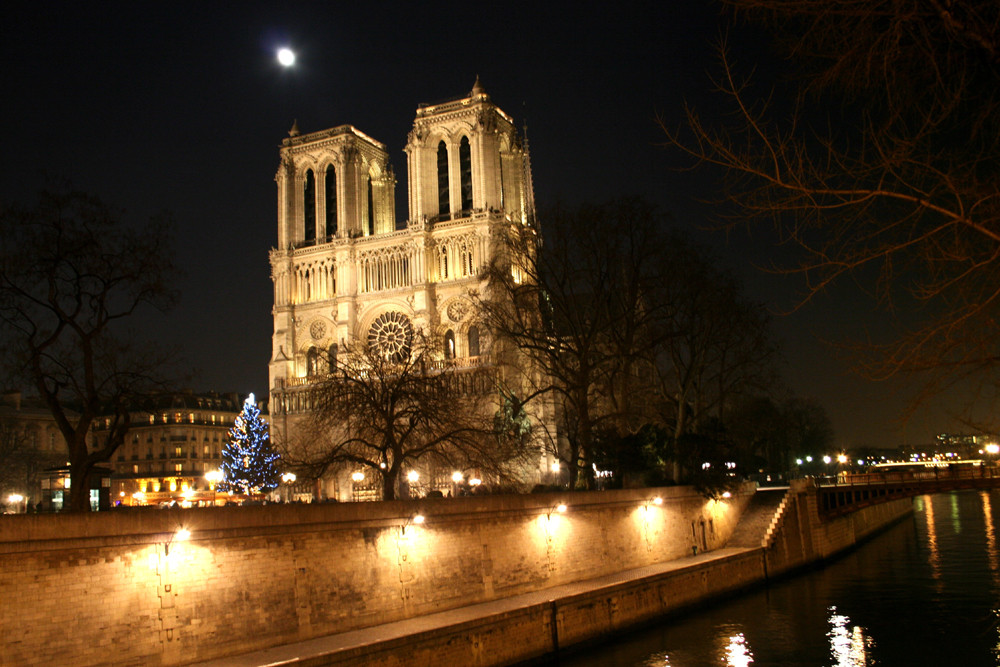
<point>481,581</point>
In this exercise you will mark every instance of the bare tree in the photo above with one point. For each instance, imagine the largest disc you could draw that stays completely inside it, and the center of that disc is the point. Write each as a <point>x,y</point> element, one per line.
<point>21,463</point>
<point>576,310</point>
<point>880,161</point>
<point>388,410</point>
<point>72,272</point>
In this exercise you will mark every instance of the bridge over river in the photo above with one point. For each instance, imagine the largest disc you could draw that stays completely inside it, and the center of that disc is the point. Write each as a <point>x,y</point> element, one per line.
<point>849,492</point>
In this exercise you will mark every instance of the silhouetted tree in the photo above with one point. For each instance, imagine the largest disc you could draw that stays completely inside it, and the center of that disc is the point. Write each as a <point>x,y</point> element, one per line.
<point>72,273</point>
<point>879,160</point>
<point>384,411</point>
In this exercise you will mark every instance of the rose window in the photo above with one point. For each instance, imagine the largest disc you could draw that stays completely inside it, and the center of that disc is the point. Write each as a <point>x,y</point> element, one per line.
<point>391,335</point>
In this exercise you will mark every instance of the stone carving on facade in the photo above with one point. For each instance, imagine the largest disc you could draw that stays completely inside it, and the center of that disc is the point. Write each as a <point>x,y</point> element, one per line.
<point>458,309</point>
<point>391,335</point>
<point>317,330</point>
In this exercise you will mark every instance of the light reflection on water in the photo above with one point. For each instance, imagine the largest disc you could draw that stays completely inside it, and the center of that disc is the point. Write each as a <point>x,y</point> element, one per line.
<point>923,593</point>
<point>848,645</point>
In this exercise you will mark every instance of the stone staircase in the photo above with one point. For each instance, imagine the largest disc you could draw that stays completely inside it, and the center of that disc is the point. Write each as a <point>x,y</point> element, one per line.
<point>752,529</point>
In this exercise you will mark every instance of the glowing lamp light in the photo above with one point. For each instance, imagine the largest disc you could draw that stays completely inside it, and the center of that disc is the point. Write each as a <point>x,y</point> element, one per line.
<point>182,534</point>
<point>15,498</point>
<point>993,448</point>
<point>826,459</point>
<point>727,494</point>
<point>842,458</point>
<point>288,478</point>
<point>358,476</point>
<point>798,462</point>
<point>555,466</point>
<point>657,500</point>
<point>809,459</point>
<point>456,477</point>
<point>475,481</point>
<point>561,508</point>
<point>412,476</point>
<point>418,519</point>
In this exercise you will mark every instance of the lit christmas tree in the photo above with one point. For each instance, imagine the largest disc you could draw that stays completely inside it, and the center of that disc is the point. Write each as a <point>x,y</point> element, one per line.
<point>249,463</point>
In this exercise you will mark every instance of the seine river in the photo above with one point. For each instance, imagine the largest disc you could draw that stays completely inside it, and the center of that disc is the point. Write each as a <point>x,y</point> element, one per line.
<point>925,592</point>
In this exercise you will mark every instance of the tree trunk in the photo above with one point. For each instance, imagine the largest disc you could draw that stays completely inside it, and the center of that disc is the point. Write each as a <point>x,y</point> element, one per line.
<point>389,484</point>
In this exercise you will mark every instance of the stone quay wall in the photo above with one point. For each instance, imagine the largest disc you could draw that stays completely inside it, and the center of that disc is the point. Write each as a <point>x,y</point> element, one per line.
<point>128,588</point>
<point>800,537</point>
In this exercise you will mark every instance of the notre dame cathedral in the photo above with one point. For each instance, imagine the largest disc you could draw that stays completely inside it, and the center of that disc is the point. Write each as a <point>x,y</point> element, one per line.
<point>345,270</point>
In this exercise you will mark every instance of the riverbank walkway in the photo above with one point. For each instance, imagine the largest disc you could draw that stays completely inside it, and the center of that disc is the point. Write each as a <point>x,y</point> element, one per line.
<point>350,648</point>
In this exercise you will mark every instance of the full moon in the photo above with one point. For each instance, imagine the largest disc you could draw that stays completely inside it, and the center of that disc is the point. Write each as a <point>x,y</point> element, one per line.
<point>286,57</point>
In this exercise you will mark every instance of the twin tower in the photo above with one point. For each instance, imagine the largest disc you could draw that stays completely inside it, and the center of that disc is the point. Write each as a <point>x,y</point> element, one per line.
<point>345,269</point>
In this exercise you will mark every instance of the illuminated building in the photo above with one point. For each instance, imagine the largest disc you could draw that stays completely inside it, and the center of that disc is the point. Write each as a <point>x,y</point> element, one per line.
<point>169,448</point>
<point>344,270</point>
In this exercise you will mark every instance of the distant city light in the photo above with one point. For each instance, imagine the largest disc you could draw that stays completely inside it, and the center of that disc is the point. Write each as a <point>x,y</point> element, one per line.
<point>286,57</point>
<point>827,459</point>
<point>798,462</point>
<point>842,458</point>
<point>809,459</point>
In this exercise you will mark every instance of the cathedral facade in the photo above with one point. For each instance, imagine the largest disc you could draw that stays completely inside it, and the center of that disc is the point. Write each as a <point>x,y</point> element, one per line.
<point>344,270</point>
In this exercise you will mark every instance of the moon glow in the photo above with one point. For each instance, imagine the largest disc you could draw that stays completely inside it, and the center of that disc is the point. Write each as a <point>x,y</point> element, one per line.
<point>286,57</point>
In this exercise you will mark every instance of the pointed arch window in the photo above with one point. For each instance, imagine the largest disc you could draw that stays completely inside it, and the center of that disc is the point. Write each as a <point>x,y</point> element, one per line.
<point>444,195</point>
<point>332,354</point>
<point>309,206</point>
<point>473,338</point>
<point>312,362</point>
<point>371,209</point>
<point>331,202</point>
<point>465,167</point>
<point>449,344</point>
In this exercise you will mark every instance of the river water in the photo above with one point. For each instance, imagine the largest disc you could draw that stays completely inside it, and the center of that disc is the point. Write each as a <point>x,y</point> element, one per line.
<point>925,592</point>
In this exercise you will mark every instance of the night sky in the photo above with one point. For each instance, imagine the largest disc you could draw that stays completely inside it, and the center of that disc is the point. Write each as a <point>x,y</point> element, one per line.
<point>182,107</point>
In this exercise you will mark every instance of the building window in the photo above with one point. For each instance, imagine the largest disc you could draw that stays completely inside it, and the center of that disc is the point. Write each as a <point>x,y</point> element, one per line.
<point>371,208</point>
<point>449,344</point>
<point>333,357</point>
<point>473,338</point>
<point>465,166</point>
<point>312,362</point>
<point>330,190</point>
<point>309,206</point>
<point>444,196</point>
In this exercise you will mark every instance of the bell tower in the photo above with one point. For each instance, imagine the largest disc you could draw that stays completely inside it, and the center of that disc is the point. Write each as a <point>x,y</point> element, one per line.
<point>466,156</point>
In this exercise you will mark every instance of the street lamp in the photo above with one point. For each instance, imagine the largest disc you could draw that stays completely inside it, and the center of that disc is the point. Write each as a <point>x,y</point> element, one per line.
<point>287,478</point>
<point>15,499</point>
<point>213,477</point>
